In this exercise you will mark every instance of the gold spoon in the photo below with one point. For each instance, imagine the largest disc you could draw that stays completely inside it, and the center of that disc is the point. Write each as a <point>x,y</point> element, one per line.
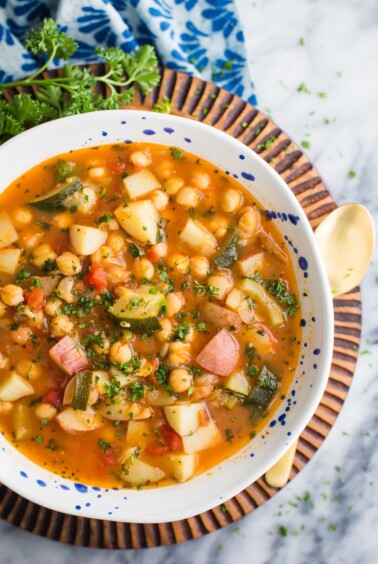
<point>346,241</point>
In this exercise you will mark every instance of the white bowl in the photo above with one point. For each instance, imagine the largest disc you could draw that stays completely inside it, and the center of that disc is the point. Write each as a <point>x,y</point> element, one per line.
<point>227,479</point>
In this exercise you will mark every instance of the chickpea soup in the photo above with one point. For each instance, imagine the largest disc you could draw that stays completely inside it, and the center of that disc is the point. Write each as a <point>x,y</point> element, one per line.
<point>149,324</point>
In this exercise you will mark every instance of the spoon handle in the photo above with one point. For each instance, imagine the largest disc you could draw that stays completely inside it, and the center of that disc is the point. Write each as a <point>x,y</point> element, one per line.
<point>278,475</point>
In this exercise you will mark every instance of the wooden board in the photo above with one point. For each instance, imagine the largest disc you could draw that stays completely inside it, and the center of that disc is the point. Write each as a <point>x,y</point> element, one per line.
<point>206,102</point>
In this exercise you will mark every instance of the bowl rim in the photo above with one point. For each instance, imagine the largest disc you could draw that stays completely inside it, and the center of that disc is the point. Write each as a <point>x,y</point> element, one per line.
<point>303,418</point>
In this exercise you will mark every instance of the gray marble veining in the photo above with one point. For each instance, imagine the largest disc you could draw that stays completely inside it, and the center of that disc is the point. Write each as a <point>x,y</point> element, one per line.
<point>328,514</point>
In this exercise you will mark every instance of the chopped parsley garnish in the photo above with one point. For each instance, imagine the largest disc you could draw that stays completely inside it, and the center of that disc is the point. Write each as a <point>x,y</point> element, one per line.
<point>252,371</point>
<point>104,445</point>
<point>352,174</point>
<point>229,435</point>
<point>278,289</point>
<point>135,251</point>
<point>163,107</point>
<point>93,339</point>
<point>49,265</point>
<point>303,88</point>
<point>43,225</point>
<point>204,290</point>
<point>305,144</point>
<point>136,390</point>
<point>161,376</point>
<point>182,331</point>
<point>177,154</point>
<point>22,275</point>
<point>36,283</point>
<point>106,218</point>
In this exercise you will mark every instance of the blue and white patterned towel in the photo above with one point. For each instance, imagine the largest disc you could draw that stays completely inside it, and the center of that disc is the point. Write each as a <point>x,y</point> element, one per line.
<point>200,37</point>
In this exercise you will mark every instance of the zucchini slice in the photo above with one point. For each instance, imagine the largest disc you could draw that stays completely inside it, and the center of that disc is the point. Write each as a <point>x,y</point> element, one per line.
<point>83,382</point>
<point>139,313</point>
<point>53,200</point>
<point>228,253</point>
<point>264,389</point>
<point>64,169</point>
<point>258,293</point>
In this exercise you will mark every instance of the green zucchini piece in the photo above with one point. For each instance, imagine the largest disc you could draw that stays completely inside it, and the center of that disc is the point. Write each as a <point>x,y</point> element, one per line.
<point>228,253</point>
<point>260,295</point>
<point>82,389</point>
<point>53,201</point>
<point>264,389</point>
<point>139,313</point>
<point>64,169</point>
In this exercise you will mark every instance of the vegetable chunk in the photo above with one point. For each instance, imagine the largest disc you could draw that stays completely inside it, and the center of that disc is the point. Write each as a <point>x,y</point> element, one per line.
<point>220,355</point>
<point>205,437</point>
<point>197,237</point>
<point>15,387</point>
<point>86,240</point>
<point>8,234</point>
<point>140,183</point>
<point>184,419</point>
<point>69,355</point>
<point>140,220</point>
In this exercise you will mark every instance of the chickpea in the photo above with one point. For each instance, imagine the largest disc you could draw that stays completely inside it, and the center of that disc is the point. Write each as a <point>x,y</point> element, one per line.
<point>143,268</point>
<point>61,326</point>
<point>21,335</point>
<point>30,239</point>
<point>188,197</point>
<point>180,380</point>
<point>175,303</point>
<point>51,307</point>
<point>65,290</point>
<point>6,406</point>
<point>200,179</point>
<point>249,221</point>
<point>96,172</point>
<point>231,200</point>
<point>113,225</point>
<point>103,254</point>
<point>116,242</point>
<point>3,308</point>
<point>35,318</point>
<point>160,199</point>
<point>41,254</point>
<point>166,331</point>
<point>166,169</point>
<point>117,274</point>
<point>199,266</point>
<point>218,226</point>
<point>223,282</point>
<point>11,294</point>
<point>69,264</point>
<point>4,361</point>
<point>178,263</point>
<point>140,159</point>
<point>45,411</point>
<point>179,353</point>
<point>159,250</point>
<point>103,348</point>
<point>173,185</point>
<point>63,220</point>
<point>28,369</point>
<point>22,216</point>
<point>120,352</point>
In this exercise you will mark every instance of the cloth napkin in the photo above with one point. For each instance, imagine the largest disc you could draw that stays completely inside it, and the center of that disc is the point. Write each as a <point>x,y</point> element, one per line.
<point>200,37</point>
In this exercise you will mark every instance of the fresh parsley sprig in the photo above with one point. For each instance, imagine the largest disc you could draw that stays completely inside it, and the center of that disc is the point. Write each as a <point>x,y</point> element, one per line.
<point>76,90</point>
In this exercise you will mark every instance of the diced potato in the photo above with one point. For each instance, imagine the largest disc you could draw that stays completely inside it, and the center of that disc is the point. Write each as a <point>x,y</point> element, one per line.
<point>76,422</point>
<point>22,422</point>
<point>127,453</point>
<point>261,339</point>
<point>138,473</point>
<point>198,238</point>
<point>140,220</point>
<point>269,244</point>
<point>238,382</point>
<point>141,183</point>
<point>15,387</point>
<point>184,419</point>
<point>138,434</point>
<point>180,466</point>
<point>234,299</point>
<point>258,293</point>
<point>206,437</point>
<point>8,234</point>
<point>9,259</point>
<point>86,240</point>
<point>250,265</point>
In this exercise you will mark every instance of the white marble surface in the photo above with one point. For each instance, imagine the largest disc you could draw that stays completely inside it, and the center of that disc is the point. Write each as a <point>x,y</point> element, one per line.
<point>338,523</point>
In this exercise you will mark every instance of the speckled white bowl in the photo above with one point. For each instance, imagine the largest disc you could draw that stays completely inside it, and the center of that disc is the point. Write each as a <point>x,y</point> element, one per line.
<point>234,474</point>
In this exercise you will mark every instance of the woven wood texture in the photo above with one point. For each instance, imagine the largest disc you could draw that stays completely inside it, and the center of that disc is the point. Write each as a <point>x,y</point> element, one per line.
<point>203,101</point>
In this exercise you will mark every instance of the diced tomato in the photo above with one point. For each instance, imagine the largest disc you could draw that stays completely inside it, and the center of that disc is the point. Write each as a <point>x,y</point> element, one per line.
<point>60,243</point>
<point>109,457</point>
<point>54,396</point>
<point>96,277</point>
<point>153,255</point>
<point>35,298</point>
<point>157,449</point>
<point>204,418</point>
<point>172,438</point>
<point>117,167</point>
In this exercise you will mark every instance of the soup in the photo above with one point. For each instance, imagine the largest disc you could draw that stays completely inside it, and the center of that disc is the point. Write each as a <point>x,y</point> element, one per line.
<point>149,321</point>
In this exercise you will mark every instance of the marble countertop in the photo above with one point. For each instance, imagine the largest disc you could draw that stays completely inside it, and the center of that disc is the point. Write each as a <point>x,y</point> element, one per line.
<point>333,522</point>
